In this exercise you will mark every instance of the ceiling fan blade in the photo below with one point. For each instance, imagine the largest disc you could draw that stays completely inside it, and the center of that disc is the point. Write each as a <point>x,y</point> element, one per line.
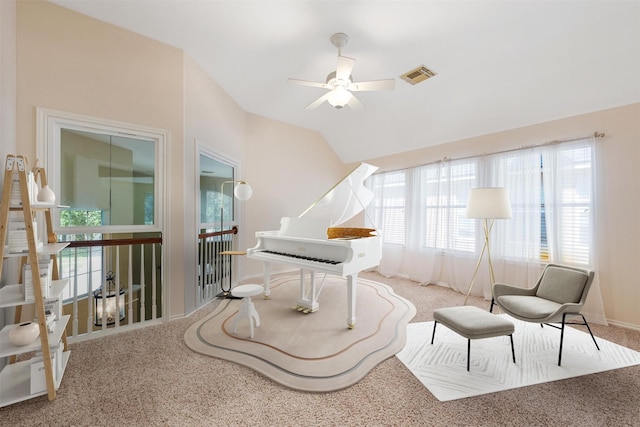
<point>344,68</point>
<point>387,84</point>
<point>307,83</point>
<point>355,103</point>
<point>317,102</point>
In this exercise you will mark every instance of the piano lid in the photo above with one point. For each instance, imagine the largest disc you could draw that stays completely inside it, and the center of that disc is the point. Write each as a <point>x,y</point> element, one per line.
<point>345,200</point>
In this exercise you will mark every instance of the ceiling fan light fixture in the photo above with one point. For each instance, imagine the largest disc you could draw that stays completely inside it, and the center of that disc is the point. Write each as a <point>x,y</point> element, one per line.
<point>340,82</point>
<point>339,97</point>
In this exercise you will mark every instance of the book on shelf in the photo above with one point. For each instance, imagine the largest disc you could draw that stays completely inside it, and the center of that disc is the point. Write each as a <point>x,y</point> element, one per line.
<point>46,271</point>
<point>17,237</point>
<point>15,199</point>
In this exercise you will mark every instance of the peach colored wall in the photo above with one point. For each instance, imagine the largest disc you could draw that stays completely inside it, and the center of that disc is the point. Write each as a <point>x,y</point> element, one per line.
<point>214,122</point>
<point>289,169</point>
<point>618,205</point>
<point>7,78</point>
<point>69,62</point>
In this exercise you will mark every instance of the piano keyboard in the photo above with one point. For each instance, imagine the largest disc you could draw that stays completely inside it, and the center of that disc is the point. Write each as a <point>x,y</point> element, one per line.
<point>306,258</point>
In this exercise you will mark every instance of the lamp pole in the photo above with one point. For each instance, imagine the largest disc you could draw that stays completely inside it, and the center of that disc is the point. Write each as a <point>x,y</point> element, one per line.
<point>487,226</point>
<point>242,191</point>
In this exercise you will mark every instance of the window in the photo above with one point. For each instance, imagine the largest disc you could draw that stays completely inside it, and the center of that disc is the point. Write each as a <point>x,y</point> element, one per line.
<point>109,174</point>
<point>213,174</point>
<point>447,186</point>
<point>551,192</point>
<point>389,205</point>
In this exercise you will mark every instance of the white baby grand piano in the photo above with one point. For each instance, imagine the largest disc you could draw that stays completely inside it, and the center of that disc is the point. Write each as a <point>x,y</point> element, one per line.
<point>313,243</point>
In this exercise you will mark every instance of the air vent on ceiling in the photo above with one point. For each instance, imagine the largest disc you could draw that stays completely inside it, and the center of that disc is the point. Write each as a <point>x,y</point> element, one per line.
<point>417,75</point>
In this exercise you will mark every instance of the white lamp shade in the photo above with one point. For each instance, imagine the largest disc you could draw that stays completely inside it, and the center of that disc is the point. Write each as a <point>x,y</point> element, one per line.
<point>339,97</point>
<point>243,191</point>
<point>489,203</point>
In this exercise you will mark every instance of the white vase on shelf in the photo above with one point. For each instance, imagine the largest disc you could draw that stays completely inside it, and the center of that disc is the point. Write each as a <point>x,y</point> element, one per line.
<point>24,333</point>
<point>46,195</point>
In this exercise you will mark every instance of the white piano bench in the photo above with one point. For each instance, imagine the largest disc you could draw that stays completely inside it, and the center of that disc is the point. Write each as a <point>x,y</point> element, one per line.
<point>247,309</point>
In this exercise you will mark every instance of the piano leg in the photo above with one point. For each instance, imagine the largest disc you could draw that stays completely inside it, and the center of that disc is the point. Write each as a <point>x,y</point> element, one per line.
<point>267,280</point>
<point>308,301</point>
<point>352,280</point>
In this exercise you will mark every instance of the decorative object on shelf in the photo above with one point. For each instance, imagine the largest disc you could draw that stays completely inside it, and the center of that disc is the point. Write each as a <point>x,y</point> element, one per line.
<point>46,195</point>
<point>487,204</point>
<point>24,334</point>
<point>242,191</point>
<point>108,303</point>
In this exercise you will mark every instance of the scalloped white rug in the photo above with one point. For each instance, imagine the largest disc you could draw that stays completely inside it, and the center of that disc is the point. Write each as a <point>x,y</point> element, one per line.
<point>310,352</point>
<point>442,367</point>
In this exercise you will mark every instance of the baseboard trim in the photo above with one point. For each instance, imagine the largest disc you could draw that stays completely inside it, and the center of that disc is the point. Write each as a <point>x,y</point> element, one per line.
<point>624,325</point>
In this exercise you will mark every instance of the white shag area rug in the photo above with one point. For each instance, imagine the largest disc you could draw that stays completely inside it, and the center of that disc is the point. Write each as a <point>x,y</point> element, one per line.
<point>442,367</point>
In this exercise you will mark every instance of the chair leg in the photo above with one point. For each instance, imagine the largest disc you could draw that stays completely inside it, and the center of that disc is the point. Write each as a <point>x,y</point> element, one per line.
<point>433,335</point>
<point>468,353</point>
<point>493,302</point>
<point>589,329</point>
<point>561,339</point>
<point>513,351</point>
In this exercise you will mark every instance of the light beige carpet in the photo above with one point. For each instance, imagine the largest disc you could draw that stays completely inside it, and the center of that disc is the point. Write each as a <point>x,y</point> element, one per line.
<point>310,352</point>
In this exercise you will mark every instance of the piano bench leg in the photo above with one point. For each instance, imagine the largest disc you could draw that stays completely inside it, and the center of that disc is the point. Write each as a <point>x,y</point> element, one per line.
<point>247,311</point>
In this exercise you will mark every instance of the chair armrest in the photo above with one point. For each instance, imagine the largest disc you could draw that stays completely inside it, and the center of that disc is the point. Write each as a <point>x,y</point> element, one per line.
<point>500,289</point>
<point>570,308</point>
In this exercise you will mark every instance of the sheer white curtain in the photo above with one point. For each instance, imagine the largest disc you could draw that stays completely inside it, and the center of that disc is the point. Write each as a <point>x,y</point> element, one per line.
<point>428,240</point>
<point>426,237</point>
<point>517,247</point>
<point>570,200</point>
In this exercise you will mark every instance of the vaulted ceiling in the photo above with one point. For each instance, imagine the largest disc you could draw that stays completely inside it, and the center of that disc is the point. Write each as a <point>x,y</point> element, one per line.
<point>499,64</point>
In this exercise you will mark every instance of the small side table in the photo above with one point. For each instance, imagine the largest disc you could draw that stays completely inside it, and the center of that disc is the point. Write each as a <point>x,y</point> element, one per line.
<point>247,309</point>
<point>230,254</point>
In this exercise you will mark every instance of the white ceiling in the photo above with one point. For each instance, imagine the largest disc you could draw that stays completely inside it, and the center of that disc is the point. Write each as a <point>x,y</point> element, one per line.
<point>500,64</point>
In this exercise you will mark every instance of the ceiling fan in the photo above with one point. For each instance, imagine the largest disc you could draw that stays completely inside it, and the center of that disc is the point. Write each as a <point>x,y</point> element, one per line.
<point>340,82</point>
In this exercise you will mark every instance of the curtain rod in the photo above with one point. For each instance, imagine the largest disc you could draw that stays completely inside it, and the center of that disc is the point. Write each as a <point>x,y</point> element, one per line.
<point>596,134</point>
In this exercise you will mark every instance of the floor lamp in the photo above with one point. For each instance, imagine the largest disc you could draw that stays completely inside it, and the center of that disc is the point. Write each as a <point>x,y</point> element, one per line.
<point>487,204</point>
<point>242,191</point>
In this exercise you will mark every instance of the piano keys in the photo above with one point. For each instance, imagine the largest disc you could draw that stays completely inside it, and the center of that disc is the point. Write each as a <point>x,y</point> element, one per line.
<point>313,243</point>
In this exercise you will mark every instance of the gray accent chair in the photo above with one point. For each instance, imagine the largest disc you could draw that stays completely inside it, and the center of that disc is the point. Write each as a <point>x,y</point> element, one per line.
<point>560,291</point>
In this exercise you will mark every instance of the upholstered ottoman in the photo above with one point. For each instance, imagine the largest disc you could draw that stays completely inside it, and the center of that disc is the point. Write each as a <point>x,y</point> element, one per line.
<point>473,323</point>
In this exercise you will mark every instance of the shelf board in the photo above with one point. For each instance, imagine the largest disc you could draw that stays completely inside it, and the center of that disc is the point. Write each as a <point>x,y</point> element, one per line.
<point>12,295</point>
<point>48,249</point>
<point>8,349</point>
<point>38,206</point>
<point>15,381</point>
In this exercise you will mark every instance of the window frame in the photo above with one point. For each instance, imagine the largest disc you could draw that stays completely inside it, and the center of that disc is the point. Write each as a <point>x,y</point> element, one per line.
<point>203,150</point>
<point>49,125</point>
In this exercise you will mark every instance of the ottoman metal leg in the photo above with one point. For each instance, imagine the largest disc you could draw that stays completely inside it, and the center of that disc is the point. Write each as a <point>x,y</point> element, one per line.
<point>513,351</point>
<point>434,331</point>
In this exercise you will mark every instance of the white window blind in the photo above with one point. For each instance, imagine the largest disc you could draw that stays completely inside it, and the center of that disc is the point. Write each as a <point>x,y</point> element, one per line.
<point>389,205</point>
<point>446,187</point>
<point>568,200</point>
